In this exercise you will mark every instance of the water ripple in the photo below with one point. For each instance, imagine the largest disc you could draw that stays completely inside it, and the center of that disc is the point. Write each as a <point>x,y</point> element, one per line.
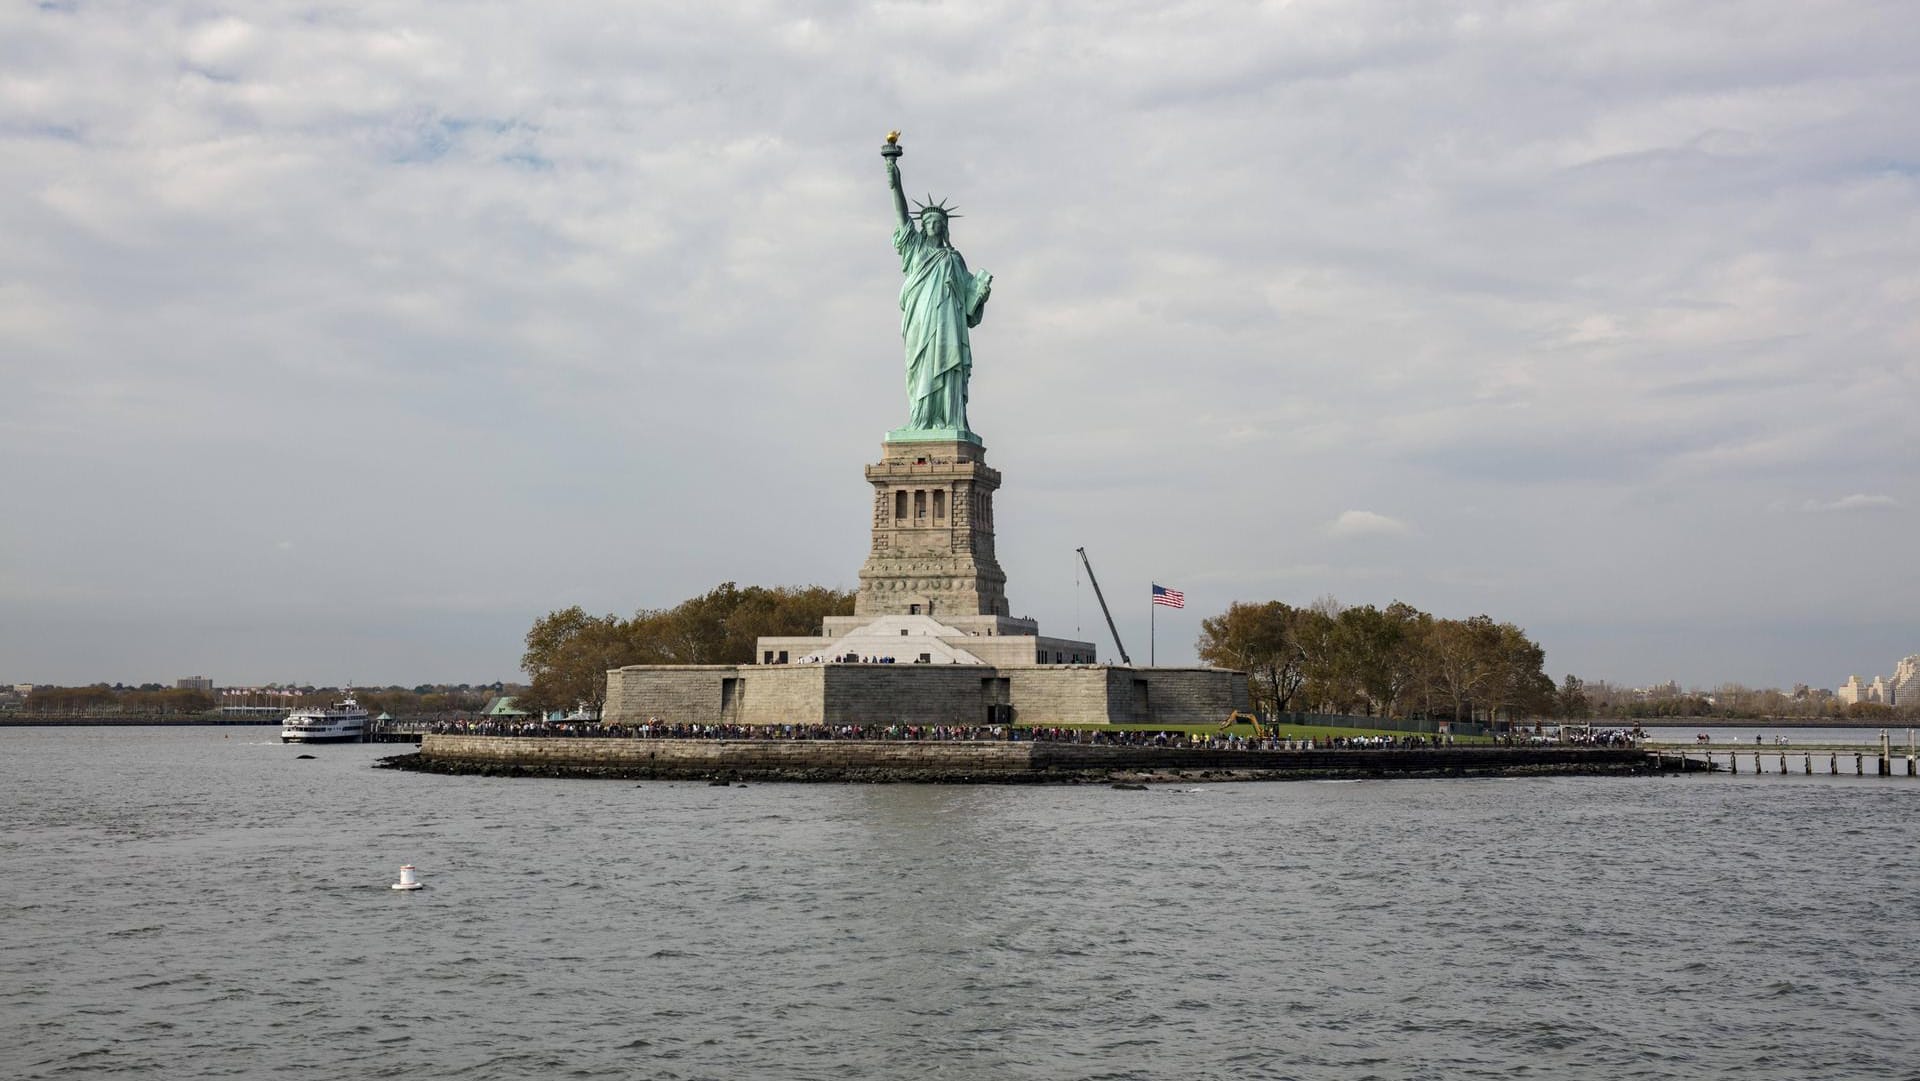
<point>222,911</point>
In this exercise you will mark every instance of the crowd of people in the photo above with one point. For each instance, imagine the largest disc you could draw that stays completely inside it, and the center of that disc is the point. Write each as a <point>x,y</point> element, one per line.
<point>1605,737</point>
<point>654,728</point>
<point>1577,738</point>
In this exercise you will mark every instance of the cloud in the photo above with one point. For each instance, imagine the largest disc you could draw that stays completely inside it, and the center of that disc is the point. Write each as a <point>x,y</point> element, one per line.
<point>1856,502</point>
<point>488,300</point>
<point>1365,523</point>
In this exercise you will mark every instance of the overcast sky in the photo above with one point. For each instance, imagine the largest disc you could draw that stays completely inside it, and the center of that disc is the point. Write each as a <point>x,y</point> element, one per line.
<point>340,341</point>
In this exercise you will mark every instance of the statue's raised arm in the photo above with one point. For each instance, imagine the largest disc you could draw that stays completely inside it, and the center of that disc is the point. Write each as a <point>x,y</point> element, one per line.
<point>940,302</point>
<point>892,151</point>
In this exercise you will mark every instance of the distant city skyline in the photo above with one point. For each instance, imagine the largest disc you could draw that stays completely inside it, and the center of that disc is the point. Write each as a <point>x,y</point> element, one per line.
<point>342,344</point>
<point>1902,686</point>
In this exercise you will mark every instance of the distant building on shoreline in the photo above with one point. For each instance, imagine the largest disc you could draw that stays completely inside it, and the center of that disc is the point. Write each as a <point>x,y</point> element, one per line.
<point>1657,692</point>
<point>1906,681</point>
<point>1903,688</point>
<point>1852,692</point>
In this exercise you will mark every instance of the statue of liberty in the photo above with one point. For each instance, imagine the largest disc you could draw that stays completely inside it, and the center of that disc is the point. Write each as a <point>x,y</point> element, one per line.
<point>939,300</point>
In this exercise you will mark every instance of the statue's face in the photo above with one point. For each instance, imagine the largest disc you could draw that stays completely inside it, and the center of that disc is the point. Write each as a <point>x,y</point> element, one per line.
<point>935,226</point>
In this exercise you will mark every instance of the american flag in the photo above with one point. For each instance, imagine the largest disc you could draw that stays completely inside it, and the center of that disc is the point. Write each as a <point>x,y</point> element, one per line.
<point>1172,598</point>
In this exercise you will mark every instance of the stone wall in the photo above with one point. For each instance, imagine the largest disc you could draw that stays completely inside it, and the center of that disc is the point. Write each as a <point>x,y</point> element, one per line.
<point>1030,649</point>
<point>1113,695</point>
<point>1127,697</point>
<point>949,694</point>
<point>1054,694</point>
<point>854,760</point>
<point>1193,694</point>
<point>679,693</point>
<point>784,694</point>
<point>695,757</point>
<point>937,694</point>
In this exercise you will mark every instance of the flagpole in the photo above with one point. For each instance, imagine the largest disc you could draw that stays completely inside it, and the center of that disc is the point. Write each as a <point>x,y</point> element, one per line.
<point>1152,631</point>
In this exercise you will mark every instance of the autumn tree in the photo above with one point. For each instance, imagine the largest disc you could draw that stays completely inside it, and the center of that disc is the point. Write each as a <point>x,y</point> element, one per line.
<point>1572,699</point>
<point>166,700</point>
<point>1464,656</point>
<point>569,652</point>
<point>1258,639</point>
<point>97,698</point>
<point>1329,685</point>
<point>1518,684</point>
<point>397,701</point>
<point>1376,651</point>
<point>1388,662</point>
<point>721,625</point>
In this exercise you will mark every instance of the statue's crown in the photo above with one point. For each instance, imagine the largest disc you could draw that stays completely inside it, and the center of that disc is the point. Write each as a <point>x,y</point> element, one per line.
<point>930,206</point>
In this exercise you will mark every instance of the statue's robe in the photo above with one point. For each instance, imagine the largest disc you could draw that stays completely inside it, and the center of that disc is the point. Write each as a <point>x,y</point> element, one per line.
<point>939,300</point>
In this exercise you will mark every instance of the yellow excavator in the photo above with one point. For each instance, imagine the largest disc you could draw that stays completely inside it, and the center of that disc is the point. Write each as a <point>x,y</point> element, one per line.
<point>1260,731</point>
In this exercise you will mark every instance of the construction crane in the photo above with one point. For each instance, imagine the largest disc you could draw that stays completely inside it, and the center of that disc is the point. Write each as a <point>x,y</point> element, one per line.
<point>1124,659</point>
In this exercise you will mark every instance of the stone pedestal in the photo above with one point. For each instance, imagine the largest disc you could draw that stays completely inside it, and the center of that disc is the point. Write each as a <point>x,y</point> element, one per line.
<point>932,548</point>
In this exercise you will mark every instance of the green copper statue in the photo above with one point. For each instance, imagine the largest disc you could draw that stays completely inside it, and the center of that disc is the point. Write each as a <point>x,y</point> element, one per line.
<point>939,301</point>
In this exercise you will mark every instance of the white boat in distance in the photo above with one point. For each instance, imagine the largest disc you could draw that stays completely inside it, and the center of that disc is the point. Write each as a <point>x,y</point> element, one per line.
<point>343,722</point>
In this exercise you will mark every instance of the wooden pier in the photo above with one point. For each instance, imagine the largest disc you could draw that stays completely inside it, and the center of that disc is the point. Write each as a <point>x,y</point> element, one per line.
<point>392,731</point>
<point>1882,759</point>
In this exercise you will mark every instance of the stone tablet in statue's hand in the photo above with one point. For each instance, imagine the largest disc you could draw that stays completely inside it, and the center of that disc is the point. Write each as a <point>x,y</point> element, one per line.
<point>985,281</point>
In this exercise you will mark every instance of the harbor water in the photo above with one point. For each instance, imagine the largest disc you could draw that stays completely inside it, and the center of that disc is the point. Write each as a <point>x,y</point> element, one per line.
<point>204,902</point>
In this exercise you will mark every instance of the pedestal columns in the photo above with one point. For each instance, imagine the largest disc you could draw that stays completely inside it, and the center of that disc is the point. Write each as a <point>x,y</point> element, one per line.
<point>932,550</point>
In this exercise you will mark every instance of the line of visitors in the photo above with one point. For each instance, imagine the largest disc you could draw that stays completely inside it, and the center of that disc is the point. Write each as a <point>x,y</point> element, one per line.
<point>654,728</point>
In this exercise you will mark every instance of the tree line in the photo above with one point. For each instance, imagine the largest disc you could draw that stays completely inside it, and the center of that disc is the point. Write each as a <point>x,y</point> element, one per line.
<point>100,698</point>
<point>401,702</point>
<point>569,651</point>
<point>1736,701</point>
<point>1326,657</point>
<point>1396,661</point>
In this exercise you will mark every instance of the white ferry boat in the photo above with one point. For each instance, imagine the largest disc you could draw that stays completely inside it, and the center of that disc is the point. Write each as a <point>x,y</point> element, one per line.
<point>343,722</point>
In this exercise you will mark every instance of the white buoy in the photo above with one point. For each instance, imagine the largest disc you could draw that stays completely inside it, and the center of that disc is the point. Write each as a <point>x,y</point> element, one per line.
<point>407,880</point>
